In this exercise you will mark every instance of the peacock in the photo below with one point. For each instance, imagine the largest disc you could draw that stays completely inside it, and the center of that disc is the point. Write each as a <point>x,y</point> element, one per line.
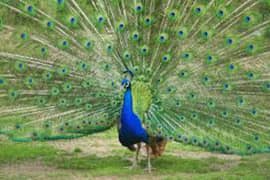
<point>192,71</point>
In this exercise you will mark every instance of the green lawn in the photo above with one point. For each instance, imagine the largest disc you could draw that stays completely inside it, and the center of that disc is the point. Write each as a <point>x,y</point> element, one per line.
<point>101,157</point>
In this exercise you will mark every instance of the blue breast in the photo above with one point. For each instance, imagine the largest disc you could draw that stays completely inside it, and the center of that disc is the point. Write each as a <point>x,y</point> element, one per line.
<point>131,130</point>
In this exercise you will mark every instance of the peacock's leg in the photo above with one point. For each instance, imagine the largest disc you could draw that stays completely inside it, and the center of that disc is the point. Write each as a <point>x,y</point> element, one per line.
<point>138,152</point>
<point>136,159</point>
<point>149,166</point>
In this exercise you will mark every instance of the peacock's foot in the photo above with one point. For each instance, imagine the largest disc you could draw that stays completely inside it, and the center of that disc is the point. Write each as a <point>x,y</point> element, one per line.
<point>131,167</point>
<point>149,169</point>
<point>134,166</point>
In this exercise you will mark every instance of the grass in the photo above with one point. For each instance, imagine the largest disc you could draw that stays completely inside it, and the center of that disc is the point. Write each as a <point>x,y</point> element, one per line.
<point>17,161</point>
<point>15,152</point>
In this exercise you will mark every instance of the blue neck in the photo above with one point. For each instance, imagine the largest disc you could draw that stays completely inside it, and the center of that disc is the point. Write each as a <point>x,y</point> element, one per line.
<point>131,131</point>
<point>127,106</point>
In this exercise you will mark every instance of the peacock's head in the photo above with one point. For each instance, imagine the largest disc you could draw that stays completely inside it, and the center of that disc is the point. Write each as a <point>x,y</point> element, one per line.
<point>126,82</point>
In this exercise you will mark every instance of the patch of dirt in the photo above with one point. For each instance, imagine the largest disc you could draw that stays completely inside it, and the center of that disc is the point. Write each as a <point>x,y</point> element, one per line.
<point>203,155</point>
<point>230,160</point>
<point>37,170</point>
<point>226,166</point>
<point>95,145</point>
<point>34,166</point>
<point>103,147</point>
<point>135,177</point>
<point>3,138</point>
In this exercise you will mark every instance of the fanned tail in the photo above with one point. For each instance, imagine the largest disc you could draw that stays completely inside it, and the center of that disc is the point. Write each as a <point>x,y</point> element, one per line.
<point>201,69</point>
<point>210,75</point>
<point>57,77</point>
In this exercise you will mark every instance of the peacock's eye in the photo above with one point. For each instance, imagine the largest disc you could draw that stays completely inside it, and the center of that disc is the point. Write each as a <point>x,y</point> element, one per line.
<point>72,20</point>
<point>30,8</point>
<point>100,19</point>
<point>49,23</point>
<point>23,35</point>
<point>221,12</point>
<point>247,18</point>
<point>229,41</point>
<point>250,74</point>
<point>231,66</point>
